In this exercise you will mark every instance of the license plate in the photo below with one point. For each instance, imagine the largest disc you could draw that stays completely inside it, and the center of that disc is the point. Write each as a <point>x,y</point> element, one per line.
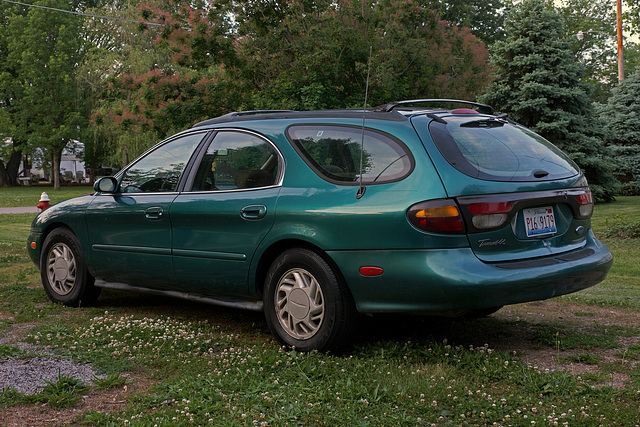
<point>539,221</point>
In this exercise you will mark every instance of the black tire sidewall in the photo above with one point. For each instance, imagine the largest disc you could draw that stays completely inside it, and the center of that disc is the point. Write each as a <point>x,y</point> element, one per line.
<point>337,304</point>
<point>83,292</point>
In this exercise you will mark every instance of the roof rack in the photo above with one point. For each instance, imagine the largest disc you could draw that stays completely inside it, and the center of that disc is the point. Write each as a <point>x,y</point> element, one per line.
<point>482,108</point>
<point>292,114</point>
<point>237,114</point>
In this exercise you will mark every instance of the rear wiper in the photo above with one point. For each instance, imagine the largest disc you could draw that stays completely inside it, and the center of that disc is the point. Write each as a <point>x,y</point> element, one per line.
<point>491,122</point>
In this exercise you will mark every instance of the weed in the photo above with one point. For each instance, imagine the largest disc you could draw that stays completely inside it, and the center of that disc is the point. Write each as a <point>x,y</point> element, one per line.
<point>110,381</point>
<point>10,351</point>
<point>585,314</point>
<point>623,230</point>
<point>595,377</point>
<point>62,393</point>
<point>563,337</point>
<point>585,358</point>
<point>630,353</point>
<point>9,397</point>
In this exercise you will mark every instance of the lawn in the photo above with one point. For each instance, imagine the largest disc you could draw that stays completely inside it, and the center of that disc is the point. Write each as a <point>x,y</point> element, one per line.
<point>572,360</point>
<point>30,195</point>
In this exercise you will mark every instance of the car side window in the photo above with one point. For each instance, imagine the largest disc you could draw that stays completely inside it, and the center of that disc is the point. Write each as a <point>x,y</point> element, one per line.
<point>160,170</point>
<point>237,160</point>
<point>334,152</point>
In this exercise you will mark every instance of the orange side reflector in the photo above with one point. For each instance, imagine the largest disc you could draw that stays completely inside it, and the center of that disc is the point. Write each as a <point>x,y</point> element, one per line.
<point>33,245</point>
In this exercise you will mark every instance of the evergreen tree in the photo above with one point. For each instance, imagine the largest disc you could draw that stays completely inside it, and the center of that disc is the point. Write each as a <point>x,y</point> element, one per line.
<point>538,85</point>
<point>621,116</point>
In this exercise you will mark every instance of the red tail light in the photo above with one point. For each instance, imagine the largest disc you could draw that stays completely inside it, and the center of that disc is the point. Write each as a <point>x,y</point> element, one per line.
<point>436,216</point>
<point>490,208</point>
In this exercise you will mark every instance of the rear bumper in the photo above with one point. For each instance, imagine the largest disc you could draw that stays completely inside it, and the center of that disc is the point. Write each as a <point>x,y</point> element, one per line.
<point>424,281</point>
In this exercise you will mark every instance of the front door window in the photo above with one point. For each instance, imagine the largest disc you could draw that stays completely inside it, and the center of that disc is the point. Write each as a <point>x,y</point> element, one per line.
<point>160,170</point>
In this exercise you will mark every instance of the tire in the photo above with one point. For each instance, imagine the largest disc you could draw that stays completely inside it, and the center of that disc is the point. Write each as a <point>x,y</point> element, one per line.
<point>306,305</point>
<point>64,274</point>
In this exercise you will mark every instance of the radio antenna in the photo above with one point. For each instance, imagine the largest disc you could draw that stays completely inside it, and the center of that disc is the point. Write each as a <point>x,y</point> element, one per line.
<point>362,188</point>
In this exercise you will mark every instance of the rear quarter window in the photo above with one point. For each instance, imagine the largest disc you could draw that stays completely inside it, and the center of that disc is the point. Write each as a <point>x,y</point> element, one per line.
<point>334,152</point>
<point>497,150</point>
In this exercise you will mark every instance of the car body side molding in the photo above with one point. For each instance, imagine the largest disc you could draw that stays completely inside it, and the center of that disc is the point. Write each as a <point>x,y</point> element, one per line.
<point>241,304</point>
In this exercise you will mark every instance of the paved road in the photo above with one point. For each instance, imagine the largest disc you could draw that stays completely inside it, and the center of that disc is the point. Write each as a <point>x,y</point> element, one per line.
<point>29,209</point>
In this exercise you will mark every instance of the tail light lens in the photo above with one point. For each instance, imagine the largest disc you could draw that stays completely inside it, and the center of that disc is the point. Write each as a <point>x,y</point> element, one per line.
<point>489,215</point>
<point>585,202</point>
<point>437,216</point>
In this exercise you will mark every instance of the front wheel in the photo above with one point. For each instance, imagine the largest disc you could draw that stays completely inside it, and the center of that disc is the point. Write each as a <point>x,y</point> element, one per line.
<point>64,274</point>
<point>306,306</point>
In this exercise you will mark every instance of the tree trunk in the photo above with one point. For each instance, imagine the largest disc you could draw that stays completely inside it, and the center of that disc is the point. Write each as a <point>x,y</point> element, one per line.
<point>9,172</point>
<point>4,177</point>
<point>12,167</point>
<point>56,156</point>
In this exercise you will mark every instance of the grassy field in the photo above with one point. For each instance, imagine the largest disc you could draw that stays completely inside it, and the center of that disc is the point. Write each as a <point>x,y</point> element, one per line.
<point>30,195</point>
<point>573,360</point>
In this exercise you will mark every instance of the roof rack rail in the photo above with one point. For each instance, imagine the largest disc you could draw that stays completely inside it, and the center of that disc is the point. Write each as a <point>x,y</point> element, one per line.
<point>482,108</point>
<point>246,113</point>
<point>230,116</point>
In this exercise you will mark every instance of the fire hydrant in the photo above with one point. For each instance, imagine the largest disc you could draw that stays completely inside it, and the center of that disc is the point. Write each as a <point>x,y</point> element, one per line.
<point>44,202</point>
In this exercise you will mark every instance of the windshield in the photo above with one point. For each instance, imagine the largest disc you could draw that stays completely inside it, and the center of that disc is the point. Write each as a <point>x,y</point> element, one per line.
<point>494,149</point>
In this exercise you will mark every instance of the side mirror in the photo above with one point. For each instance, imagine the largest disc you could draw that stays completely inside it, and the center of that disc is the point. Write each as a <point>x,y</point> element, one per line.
<point>107,184</point>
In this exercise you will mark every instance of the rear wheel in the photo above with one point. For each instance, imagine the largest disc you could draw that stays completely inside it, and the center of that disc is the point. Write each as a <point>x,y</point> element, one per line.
<point>306,305</point>
<point>64,274</point>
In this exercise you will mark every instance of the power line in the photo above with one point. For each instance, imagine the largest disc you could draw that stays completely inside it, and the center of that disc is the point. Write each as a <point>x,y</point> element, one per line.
<point>82,14</point>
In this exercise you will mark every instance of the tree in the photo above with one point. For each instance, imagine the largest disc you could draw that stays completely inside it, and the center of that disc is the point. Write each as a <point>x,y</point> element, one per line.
<point>632,16</point>
<point>597,50</point>
<point>119,49</point>
<point>485,18</point>
<point>621,117</point>
<point>298,54</point>
<point>10,126</point>
<point>538,84</point>
<point>45,50</point>
<point>303,54</point>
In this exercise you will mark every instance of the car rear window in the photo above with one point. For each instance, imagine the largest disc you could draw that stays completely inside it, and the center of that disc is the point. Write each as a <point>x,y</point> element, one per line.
<point>498,150</point>
<point>334,152</point>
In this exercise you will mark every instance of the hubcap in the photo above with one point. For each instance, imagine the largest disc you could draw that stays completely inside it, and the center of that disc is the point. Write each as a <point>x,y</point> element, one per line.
<point>299,303</point>
<point>61,269</point>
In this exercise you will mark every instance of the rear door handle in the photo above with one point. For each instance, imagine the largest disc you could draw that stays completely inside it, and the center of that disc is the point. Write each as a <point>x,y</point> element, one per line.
<point>154,212</point>
<point>253,212</point>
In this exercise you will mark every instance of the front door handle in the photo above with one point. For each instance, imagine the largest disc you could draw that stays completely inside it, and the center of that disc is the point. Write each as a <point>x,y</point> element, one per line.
<point>153,213</point>
<point>253,212</point>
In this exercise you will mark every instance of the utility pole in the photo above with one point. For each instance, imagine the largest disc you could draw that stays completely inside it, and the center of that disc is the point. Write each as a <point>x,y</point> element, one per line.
<point>620,51</point>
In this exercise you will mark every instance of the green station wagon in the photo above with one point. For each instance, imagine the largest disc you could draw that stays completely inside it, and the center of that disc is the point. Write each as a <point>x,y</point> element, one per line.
<point>315,216</point>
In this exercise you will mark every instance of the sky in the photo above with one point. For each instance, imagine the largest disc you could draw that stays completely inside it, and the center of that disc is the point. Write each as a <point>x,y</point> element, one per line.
<point>635,38</point>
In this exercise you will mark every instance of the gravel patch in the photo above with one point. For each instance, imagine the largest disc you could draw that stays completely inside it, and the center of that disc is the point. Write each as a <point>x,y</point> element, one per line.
<point>29,376</point>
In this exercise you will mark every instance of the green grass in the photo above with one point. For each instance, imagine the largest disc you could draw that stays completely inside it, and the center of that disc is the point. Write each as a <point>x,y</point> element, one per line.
<point>64,392</point>
<point>110,381</point>
<point>565,337</point>
<point>215,366</point>
<point>30,195</point>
